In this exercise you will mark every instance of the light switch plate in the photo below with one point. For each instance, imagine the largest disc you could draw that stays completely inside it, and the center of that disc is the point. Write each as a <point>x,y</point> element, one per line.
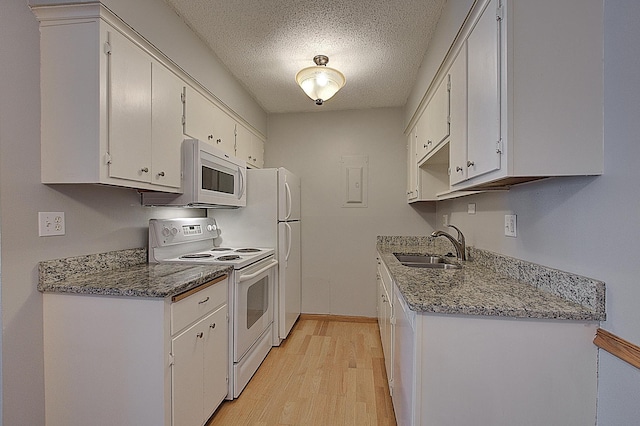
<point>510,229</point>
<point>51,223</point>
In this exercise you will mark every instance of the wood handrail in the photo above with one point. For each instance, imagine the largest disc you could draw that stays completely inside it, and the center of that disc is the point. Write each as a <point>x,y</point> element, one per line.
<point>617,346</point>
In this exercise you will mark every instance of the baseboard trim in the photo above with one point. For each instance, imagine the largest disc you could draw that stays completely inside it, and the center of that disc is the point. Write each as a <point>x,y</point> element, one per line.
<point>342,318</point>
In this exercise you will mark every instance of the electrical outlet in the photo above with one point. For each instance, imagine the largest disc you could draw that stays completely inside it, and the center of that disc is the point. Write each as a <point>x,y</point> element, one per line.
<point>445,220</point>
<point>510,225</point>
<point>471,208</point>
<point>50,223</point>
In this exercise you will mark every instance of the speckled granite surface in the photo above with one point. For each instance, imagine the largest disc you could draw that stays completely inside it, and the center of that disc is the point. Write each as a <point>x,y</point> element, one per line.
<point>122,273</point>
<point>491,284</point>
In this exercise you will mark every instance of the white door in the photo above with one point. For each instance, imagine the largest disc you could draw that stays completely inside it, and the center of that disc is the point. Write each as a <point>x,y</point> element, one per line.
<point>186,377</point>
<point>289,280</point>
<point>216,359</point>
<point>288,195</point>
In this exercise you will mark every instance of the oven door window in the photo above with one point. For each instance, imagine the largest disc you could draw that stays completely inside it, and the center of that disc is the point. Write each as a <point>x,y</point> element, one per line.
<point>257,301</point>
<point>217,180</point>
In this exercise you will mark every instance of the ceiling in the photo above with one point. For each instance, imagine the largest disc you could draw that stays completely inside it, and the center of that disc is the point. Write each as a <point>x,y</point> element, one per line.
<point>378,45</point>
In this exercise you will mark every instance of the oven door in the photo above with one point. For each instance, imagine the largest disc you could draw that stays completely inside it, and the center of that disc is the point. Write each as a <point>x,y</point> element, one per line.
<point>253,306</point>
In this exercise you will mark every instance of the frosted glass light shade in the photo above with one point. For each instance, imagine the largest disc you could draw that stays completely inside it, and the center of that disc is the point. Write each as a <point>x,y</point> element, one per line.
<point>320,83</point>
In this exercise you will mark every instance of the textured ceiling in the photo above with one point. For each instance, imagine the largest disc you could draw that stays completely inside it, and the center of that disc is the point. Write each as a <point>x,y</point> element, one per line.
<point>377,44</point>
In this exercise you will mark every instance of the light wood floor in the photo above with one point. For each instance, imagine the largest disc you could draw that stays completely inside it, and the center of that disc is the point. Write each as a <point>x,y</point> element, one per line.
<point>327,372</point>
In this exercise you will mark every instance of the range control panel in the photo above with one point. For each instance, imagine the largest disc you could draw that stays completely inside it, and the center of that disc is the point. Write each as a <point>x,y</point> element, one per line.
<point>164,232</point>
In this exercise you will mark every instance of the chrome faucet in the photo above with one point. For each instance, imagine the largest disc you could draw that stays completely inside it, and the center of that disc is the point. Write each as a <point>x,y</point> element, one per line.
<point>459,244</point>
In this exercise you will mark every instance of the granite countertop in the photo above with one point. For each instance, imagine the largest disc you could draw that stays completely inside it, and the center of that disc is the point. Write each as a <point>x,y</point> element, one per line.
<point>479,288</point>
<point>123,273</point>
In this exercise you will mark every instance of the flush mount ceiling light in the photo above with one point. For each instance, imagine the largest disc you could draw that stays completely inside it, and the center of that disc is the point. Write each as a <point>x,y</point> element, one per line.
<point>320,83</point>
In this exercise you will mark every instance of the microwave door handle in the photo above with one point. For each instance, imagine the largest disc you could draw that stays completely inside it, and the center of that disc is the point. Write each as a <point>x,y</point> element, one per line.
<point>241,182</point>
<point>288,200</point>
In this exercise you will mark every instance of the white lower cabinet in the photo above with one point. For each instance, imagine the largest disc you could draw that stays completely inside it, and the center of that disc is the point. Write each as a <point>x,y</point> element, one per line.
<point>135,360</point>
<point>199,363</point>
<point>386,319</point>
<point>462,369</point>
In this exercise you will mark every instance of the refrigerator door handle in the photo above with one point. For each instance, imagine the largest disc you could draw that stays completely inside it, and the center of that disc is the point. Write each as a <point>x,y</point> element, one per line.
<point>288,200</point>
<point>286,257</point>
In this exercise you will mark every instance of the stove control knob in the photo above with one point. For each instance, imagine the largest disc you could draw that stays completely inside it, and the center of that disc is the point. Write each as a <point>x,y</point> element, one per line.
<point>166,232</point>
<point>211,228</point>
<point>174,231</point>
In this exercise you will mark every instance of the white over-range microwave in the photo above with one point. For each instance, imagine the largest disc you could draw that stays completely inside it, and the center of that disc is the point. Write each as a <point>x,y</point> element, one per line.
<point>210,178</point>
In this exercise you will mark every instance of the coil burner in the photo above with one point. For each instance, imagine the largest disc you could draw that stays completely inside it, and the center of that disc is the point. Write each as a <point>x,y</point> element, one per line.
<point>228,257</point>
<point>248,250</point>
<point>196,256</point>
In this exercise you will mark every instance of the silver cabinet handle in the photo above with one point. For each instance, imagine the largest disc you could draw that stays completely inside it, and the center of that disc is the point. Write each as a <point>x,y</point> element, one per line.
<point>161,174</point>
<point>218,140</point>
<point>144,170</point>
<point>470,163</point>
<point>210,137</point>
<point>458,169</point>
<point>203,301</point>
<point>212,325</point>
<point>199,335</point>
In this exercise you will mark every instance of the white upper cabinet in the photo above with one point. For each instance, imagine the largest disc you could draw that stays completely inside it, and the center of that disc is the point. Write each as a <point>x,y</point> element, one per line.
<point>198,116</point>
<point>249,147</point>
<point>433,126</point>
<point>224,131</point>
<point>99,100</point>
<point>525,98</point>
<point>483,113</point>
<point>115,109</point>
<point>458,116</point>
<point>166,125</point>
<point>412,167</point>
<point>205,121</point>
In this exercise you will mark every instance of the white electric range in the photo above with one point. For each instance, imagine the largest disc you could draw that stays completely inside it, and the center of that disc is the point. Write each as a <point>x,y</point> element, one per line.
<point>251,287</point>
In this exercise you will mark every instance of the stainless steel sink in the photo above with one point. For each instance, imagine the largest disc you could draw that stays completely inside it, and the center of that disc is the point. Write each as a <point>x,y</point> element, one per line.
<point>425,261</point>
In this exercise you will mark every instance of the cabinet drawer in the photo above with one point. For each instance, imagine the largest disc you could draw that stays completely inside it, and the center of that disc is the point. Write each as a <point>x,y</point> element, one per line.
<point>187,310</point>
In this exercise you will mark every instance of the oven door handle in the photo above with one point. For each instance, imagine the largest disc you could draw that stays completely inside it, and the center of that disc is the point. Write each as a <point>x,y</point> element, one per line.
<point>255,274</point>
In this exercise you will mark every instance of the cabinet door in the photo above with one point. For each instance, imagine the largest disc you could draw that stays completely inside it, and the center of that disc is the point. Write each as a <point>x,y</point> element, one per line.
<point>458,118</point>
<point>249,147</point>
<point>187,380</point>
<point>216,359</point>
<point>404,343</point>
<point>484,93</point>
<point>257,157</point>
<point>438,114</point>
<point>129,110</point>
<point>166,126</point>
<point>412,167</point>
<point>198,116</point>
<point>224,131</point>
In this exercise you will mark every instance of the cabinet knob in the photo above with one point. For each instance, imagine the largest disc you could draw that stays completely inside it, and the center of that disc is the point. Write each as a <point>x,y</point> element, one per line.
<point>161,174</point>
<point>218,140</point>
<point>429,142</point>
<point>144,170</point>
<point>199,335</point>
<point>470,163</point>
<point>458,169</point>
<point>212,325</point>
<point>424,146</point>
<point>210,137</point>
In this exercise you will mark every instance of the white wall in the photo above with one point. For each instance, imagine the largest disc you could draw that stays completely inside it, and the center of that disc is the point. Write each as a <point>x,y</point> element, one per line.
<point>585,225</point>
<point>98,219</point>
<point>338,244</point>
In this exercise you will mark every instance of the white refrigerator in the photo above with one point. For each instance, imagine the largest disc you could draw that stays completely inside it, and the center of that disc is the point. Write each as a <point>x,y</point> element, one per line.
<point>271,218</point>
